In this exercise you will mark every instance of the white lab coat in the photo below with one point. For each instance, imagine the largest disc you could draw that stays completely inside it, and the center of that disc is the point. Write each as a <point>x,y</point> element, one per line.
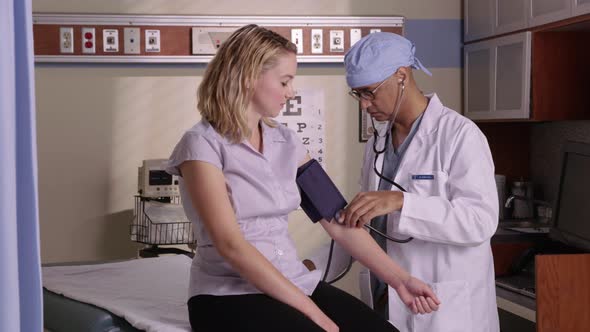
<point>451,218</point>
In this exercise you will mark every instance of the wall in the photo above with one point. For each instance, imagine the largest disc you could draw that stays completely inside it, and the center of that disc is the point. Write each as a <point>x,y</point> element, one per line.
<point>96,123</point>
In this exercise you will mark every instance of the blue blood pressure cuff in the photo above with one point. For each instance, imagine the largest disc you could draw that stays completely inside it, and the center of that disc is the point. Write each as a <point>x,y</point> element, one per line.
<point>320,199</point>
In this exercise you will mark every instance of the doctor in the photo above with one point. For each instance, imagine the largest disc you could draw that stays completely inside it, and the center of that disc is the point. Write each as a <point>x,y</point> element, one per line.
<point>450,208</point>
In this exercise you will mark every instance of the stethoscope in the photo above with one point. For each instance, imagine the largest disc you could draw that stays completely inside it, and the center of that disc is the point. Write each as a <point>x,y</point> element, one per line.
<point>377,152</point>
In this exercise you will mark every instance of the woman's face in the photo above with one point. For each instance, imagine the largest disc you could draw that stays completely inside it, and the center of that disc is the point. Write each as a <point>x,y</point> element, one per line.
<point>274,87</point>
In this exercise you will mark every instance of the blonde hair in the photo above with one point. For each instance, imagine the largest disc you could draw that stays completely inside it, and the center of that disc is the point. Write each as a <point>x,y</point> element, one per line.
<point>226,89</point>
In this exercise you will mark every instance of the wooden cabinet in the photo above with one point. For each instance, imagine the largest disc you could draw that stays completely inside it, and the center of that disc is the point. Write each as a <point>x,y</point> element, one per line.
<point>547,11</point>
<point>478,20</point>
<point>562,284</point>
<point>560,74</point>
<point>563,292</point>
<point>511,15</point>
<point>580,7</point>
<point>497,78</point>
<point>478,68</point>
<point>539,75</point>
<point>488,18</point>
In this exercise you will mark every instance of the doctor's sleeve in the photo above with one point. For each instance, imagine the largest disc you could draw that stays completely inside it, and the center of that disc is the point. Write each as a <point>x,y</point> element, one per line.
<point>469,214</point>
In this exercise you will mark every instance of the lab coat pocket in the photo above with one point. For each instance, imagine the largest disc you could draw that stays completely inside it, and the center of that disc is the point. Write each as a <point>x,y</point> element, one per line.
<point>428,183</point>
<point>454,313</point>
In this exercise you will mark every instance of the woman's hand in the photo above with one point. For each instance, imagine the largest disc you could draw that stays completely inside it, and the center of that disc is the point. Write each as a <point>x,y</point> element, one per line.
<point>324,322</point>
<point>417,296</point>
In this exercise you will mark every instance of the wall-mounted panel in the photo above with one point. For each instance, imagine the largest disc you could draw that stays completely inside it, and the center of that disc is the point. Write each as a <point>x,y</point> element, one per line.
<point>190,38</point>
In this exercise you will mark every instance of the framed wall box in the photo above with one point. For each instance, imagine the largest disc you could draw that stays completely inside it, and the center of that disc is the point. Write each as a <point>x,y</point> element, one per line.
<point>365,127</point>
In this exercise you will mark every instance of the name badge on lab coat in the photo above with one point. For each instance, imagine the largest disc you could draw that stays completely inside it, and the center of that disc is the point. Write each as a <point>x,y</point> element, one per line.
<point>423,177</point>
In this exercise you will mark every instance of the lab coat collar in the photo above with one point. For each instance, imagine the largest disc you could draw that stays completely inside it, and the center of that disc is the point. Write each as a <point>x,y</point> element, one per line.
<point>431,116</point>
<point>429,125</point>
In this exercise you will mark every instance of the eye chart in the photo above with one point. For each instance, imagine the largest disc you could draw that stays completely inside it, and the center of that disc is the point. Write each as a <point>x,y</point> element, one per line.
<point>305,114</point>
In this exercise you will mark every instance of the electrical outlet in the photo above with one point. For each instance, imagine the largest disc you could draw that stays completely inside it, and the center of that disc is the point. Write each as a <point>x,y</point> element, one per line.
<point>132,40</point>
<point>152,40</point>
<point>110,40</point>
<point>297,39</point>
<point>336,41</point>
<point>374,30</point>
<point>355,35</point>
<point>88,41</point>
<point>317,45</point>
<point>66,40</point>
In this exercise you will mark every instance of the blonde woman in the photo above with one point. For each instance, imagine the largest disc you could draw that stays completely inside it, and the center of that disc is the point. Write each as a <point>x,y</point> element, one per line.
<point>237,169</point>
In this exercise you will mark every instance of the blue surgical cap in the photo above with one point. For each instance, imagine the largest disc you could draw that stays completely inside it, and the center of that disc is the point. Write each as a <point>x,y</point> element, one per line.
<point>377,56</point>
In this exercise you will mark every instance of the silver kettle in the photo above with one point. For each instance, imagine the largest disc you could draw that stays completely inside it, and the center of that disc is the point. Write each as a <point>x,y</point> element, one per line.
<point>523,208</point>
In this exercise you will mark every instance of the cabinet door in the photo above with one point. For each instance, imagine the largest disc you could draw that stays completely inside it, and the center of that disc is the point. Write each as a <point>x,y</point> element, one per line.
<point>497,78</point>
<point>477,73</point>
<point>512,76</point>
<point>580,7</point>
<point>547,11</point>
<point>511,15</point>
<point>479,19</point>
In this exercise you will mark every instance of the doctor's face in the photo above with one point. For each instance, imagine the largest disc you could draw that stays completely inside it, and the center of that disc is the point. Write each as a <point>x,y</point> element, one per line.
<point>275,86</point>
<point>379,99</point>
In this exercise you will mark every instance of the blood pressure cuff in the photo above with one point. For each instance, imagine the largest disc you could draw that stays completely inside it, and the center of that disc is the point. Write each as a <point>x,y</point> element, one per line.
<point>320,199</point>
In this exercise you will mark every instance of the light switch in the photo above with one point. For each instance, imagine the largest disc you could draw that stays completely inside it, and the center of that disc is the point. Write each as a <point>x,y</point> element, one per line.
<point>132,40</point>
<point>297,39</point>
<point>110,40</point>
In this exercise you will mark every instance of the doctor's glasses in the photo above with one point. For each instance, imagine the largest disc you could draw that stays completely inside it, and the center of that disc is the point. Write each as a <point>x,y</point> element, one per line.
<point>366,94</point>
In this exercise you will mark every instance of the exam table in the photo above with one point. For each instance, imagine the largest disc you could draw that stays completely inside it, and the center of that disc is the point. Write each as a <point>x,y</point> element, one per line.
<point>147,294</point>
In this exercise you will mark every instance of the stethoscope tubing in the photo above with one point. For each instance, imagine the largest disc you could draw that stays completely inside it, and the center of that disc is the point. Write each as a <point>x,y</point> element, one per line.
<point>380,175</point>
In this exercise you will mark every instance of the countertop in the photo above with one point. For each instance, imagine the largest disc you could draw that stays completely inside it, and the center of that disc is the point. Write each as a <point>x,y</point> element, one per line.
<point>503,234</point>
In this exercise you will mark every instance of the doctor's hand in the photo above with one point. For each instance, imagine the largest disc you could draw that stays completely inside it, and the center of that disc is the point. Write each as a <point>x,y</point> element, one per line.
<point>368,205</point>
<point>417,296</point>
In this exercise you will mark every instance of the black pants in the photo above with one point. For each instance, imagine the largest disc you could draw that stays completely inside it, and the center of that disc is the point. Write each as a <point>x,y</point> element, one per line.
<point>260,312</point>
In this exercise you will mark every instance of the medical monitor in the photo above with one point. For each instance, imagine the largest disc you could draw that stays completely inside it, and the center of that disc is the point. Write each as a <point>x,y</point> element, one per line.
<point>154,181</point>
<point>571,223</point>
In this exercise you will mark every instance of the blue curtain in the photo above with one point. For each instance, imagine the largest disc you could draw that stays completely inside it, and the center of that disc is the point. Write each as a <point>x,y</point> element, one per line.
<point>20,271</point>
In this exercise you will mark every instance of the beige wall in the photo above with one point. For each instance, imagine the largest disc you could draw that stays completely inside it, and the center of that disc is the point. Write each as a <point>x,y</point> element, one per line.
<point>96,123</point>
<point>414,9</point>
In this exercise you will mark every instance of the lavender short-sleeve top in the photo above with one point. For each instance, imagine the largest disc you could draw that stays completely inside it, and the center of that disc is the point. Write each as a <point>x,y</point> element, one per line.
<point>262,191</point>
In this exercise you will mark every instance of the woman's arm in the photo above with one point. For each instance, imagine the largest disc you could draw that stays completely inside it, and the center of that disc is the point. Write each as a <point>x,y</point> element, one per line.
<point>206,187</point>
<point>357,242</point>
<point>417,296</point>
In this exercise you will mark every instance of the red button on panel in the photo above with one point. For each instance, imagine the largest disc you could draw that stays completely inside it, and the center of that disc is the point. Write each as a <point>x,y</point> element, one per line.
<point>88,35</point>
<point>88,44</point>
